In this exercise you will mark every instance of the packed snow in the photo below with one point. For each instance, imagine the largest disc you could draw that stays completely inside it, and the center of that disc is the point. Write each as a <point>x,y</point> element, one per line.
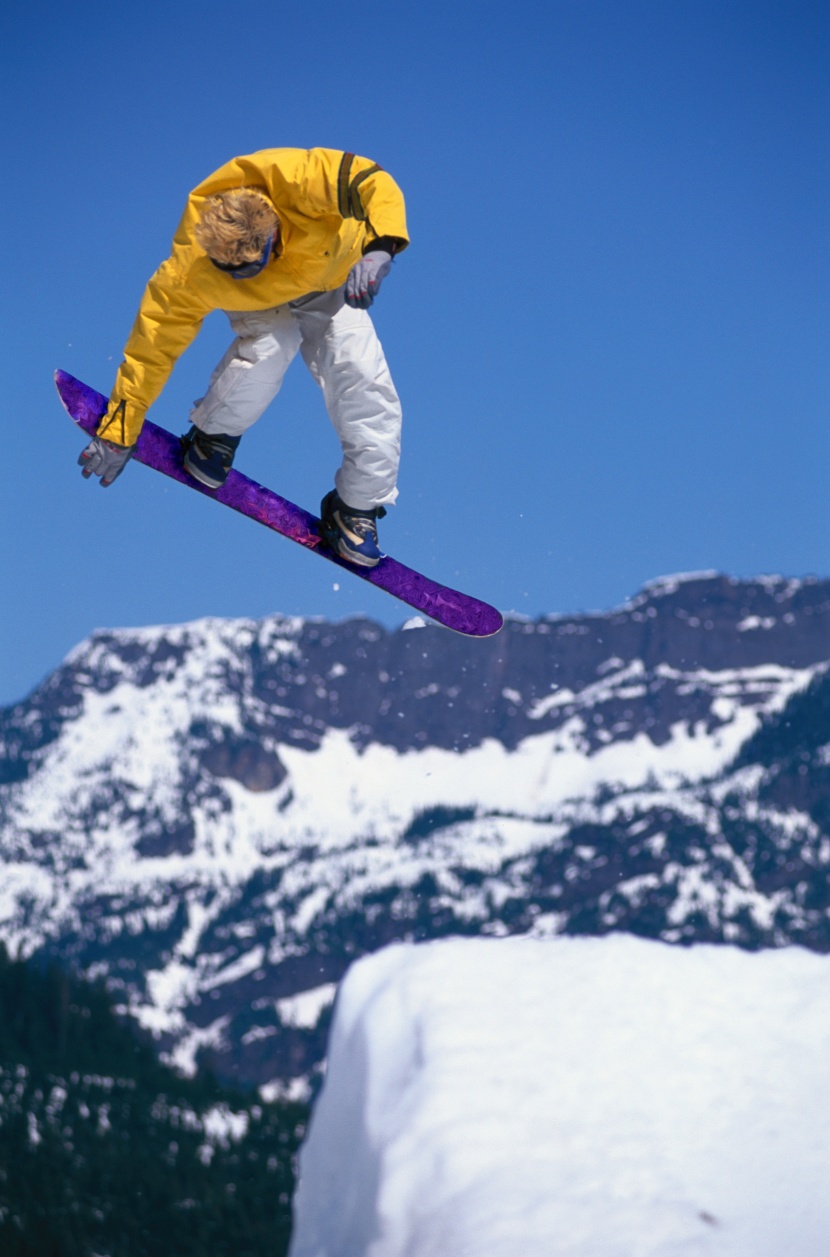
<point>576,1096</point>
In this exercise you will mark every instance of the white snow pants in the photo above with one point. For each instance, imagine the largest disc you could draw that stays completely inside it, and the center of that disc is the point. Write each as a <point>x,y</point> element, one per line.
<point>341,349</point>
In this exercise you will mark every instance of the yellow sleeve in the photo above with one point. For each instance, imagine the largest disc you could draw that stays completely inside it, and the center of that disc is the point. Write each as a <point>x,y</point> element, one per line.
<point>372,196</point>
<point>382,203</point>
<point>168,319</point>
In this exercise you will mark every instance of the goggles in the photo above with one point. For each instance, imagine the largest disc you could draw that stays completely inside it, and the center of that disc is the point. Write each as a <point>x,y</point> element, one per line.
<point>247,270</point>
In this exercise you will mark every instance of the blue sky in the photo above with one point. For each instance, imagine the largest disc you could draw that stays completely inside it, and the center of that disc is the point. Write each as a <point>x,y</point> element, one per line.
<point>610,332</point>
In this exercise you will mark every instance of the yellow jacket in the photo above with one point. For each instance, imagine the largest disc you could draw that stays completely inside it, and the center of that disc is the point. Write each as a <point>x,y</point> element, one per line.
<point>330,204</point>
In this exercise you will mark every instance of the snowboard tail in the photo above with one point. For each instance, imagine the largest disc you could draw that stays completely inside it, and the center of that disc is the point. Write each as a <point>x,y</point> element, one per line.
<point>161,450</point>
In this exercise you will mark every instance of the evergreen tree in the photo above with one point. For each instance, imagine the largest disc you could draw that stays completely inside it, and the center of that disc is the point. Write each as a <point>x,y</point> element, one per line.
<point>104,1151</point>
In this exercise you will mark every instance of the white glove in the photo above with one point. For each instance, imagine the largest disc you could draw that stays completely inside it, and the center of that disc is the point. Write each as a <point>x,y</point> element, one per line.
<point>366,277</point>
<point>105,459</point>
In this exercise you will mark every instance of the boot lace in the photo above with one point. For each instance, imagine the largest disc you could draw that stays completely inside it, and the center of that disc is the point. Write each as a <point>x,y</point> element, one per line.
<point>364,525</point>
<point>208,445</point>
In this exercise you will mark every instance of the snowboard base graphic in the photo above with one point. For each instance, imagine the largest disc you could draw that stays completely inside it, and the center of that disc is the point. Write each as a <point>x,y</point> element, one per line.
<point>161,450</point>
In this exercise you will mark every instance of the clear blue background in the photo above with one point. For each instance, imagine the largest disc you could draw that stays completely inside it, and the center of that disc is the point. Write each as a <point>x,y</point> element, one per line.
<point>609,334</point>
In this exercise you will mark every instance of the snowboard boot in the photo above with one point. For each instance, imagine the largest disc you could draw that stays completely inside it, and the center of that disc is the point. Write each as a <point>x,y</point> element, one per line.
<point>207,457</point>
<point>351,534</point>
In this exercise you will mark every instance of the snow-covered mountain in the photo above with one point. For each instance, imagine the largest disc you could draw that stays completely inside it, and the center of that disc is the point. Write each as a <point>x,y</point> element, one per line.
<point>218,817</point>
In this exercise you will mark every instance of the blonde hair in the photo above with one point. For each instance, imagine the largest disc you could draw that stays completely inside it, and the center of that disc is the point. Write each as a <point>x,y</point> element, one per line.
<point>236,225</point>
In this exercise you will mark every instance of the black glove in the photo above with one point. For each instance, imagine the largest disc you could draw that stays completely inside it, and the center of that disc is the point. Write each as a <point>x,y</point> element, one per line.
<point>105,459</point>
<point>366,277</point>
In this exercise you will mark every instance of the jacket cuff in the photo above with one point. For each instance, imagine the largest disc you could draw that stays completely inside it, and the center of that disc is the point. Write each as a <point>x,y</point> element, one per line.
<point>121,424</point>
<point>389,244</point>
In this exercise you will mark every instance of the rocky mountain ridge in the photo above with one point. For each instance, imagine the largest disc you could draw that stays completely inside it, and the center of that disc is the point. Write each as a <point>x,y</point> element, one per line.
<point>218,817</point>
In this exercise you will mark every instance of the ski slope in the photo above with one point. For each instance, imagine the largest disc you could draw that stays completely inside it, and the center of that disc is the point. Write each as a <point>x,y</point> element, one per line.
<point>573,1096</point>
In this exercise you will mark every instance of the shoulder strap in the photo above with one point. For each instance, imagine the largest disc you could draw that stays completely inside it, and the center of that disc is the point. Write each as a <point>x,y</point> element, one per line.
<point>348,199</point>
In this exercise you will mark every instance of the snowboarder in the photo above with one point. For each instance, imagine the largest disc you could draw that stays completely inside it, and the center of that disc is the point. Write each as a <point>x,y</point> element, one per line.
<point>293,244</point>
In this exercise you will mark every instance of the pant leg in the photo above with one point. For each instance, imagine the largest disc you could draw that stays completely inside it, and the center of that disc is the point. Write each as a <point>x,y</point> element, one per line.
<point>341,350</point>
<point>250,373</point>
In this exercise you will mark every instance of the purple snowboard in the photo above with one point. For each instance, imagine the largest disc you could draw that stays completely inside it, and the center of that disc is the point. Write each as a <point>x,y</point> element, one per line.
<point>159,449</point>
